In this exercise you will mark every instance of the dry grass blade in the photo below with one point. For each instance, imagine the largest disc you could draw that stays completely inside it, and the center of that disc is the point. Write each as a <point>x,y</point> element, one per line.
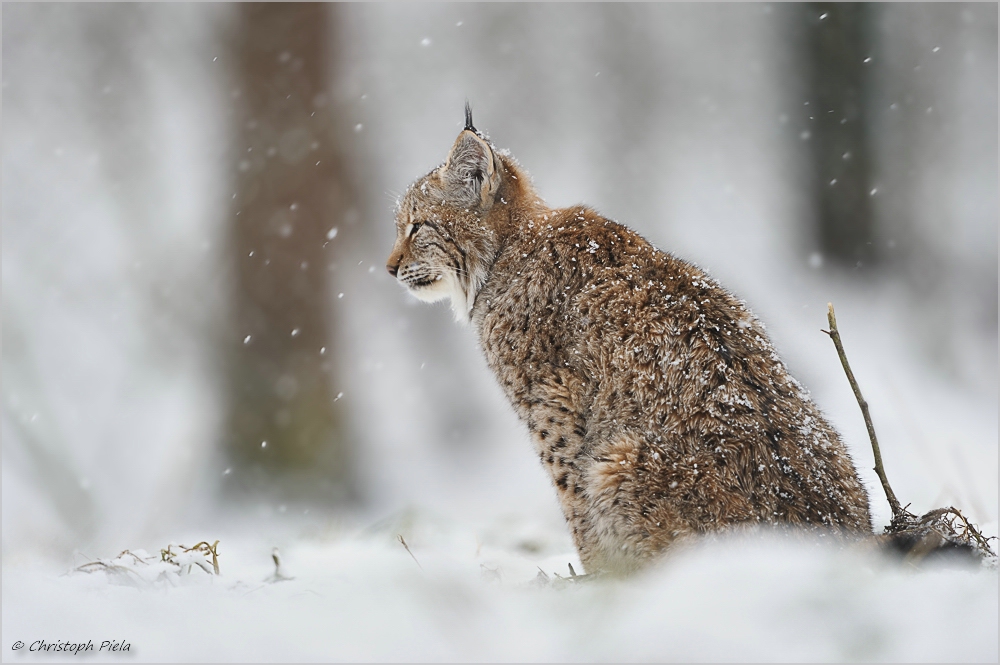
<point>278,575</point>
<point>205,548</point>
<point>142,569</point>
<point>107,567</point>
<point>167,554</point>
<point>402,541</point>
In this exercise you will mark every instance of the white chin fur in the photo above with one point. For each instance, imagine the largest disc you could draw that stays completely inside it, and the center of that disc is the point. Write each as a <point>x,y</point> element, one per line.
<point>446,287</point>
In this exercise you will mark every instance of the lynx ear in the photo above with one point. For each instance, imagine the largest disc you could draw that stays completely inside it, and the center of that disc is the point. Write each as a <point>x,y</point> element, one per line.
<point>471,174</point>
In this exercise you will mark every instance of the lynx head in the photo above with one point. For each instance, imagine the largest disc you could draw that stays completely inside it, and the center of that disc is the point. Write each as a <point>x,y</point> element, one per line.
<point>447,224</point>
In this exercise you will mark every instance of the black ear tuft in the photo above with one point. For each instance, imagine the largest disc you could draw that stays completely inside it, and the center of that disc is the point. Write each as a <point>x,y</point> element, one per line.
<point>470,174</point>
<point>468,116</point>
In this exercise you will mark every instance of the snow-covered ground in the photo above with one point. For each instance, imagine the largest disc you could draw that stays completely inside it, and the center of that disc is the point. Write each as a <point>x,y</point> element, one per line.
<point>471,593</point>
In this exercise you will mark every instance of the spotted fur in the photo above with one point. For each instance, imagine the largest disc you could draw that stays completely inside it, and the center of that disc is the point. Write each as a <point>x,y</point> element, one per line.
<point>653,396</point>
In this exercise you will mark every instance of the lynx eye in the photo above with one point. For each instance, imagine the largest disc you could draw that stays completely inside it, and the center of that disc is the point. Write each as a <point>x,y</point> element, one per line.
<point>411,228</point>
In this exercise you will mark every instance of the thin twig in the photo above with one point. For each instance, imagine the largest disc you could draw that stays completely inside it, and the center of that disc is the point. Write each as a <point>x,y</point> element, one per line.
<point>970,532</point>
<point>835,336</point>
<point>402,542</point>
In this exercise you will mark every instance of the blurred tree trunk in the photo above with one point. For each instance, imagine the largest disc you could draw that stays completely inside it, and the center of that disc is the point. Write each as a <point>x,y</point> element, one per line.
<point>837,45</point>
<point>286,434</point>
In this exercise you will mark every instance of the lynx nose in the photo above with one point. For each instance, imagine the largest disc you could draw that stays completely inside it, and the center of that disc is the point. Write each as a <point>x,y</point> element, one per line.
<point>395,259</point>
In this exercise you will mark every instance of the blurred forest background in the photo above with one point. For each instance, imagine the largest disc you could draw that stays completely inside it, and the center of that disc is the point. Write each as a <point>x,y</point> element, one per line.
<point>197,208</point>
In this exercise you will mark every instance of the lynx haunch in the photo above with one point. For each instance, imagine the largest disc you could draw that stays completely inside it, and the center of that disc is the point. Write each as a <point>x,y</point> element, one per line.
<point>653,396</point>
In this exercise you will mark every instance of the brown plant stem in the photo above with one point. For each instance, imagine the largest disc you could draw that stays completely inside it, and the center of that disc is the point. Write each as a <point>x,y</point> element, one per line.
<point>879,469</point>
<point>402,541</point>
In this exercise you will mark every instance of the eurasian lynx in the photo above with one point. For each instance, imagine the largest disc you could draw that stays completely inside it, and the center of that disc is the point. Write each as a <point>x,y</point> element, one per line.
<point>654,397</point>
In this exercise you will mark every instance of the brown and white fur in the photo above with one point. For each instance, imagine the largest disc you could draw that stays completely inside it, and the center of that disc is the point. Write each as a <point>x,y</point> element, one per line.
<point>654,398</point>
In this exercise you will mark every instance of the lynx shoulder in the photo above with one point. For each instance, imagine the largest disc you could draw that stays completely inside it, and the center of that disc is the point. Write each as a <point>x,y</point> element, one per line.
<point>653,396</point>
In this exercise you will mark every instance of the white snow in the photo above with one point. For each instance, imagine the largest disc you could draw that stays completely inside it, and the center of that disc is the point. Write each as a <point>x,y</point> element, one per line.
<point>473,595</point>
